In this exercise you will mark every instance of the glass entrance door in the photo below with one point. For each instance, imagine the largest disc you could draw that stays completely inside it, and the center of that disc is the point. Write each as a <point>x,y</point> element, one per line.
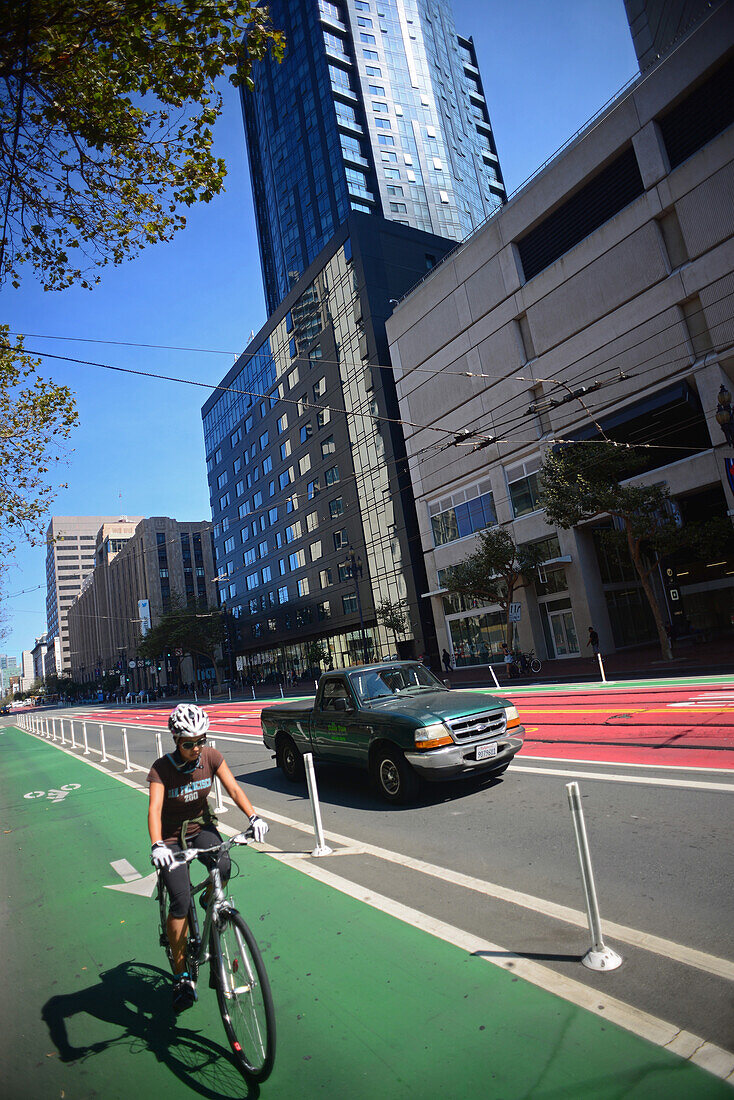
<point>563,630</point>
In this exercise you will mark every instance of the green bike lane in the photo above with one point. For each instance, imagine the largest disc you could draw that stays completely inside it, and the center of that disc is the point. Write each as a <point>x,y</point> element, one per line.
<point>367,1006</point>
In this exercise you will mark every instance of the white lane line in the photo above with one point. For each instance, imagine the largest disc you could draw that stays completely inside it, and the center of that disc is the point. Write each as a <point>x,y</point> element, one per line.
<point>684,1043</point>
<point>644,780</point>
<point>687,1045</point>
<point>623,764</point>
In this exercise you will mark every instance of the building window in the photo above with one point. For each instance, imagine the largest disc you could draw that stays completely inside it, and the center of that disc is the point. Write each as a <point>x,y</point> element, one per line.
<point>323,610</point>
<point>312,521</point>
<point>303,586</point>
<point>293,532</point>
<point>222,480</point>
<point>325,578</point>
<point>304,465</point>
<point>283,595</point>
<point>315,550</point>
<point>224,502</point>
<point>331,476</point>
<point>323,416</point>
<point>349,604</point>
<point>462,514</point>
<point>522,485</point>
<point>313,488</point>
<point>273,516</point>
<point>229,545</point>
<point>336,507</point>
<point>341,539</point>
<point>297,559</point>
<point>398,208</point>
<point>267,465</point>
<point>328,446</point>
<point>319,388</point>
<point>235,438</point>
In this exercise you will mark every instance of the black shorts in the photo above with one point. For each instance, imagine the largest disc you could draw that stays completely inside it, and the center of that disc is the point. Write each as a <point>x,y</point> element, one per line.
<point>177,878</point>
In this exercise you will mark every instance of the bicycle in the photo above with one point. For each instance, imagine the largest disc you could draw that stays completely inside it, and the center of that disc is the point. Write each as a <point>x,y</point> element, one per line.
<point>528,662</point>
<point>236,969</point>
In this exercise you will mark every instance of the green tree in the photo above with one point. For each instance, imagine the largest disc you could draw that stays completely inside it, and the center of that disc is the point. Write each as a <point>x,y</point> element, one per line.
<point>495,571</point>
<point>36,419</point>
<point>581,481</point>
<point>394,615</point>
<point>107,109</point>
<point>197,633</point>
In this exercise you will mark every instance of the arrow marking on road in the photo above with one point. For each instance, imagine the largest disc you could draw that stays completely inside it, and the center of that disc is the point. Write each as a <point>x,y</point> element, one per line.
<point>134,882</point>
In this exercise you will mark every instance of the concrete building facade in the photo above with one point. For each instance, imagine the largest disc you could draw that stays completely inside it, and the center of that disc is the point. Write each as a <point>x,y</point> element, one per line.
<point>141,565</point>
<point>601,295</point>
<point>69,559</point>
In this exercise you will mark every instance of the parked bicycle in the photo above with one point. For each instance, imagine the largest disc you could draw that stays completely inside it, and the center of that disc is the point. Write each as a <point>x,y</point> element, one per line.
<point>527,662</point>
<point>236,969</point>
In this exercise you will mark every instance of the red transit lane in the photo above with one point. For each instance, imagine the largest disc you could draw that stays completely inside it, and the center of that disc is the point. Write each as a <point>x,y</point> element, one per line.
<point>685,727</point>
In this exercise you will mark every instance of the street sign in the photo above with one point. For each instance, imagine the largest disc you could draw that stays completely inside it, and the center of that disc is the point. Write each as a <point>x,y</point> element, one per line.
<point>178,652</point>
<point>131,664</point>
<point>515,609</point>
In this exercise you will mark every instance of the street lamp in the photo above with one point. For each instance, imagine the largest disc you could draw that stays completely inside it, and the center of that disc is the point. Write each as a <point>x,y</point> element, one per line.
<point>355,563</point>
<point>221,579</point>
<point>724,415</point>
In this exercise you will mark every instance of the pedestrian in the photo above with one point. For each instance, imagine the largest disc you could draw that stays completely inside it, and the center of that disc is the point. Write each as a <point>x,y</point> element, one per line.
<point>446,658</point>
<point>593,641</point>
<point>508,660</point>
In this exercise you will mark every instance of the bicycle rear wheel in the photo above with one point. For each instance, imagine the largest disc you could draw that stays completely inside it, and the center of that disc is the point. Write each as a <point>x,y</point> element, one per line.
<point>535,665</point>
<point>243,993</point>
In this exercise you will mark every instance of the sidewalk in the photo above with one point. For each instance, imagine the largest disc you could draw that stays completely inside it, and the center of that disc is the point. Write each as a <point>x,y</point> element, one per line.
<point>366,1005</point>
<point>703,659</point>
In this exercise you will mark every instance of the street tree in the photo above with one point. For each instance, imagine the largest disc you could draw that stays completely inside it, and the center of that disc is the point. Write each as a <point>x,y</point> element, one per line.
<point>195,632</point>
<point>36,419</point>
<point>582,481</point>
<point>107,110</point>
<point>495,571</point>
<point>394,615</point>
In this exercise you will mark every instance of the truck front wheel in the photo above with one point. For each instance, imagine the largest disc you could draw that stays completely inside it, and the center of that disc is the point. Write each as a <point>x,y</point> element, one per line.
<point>393,776</point>
<point>289,759</point>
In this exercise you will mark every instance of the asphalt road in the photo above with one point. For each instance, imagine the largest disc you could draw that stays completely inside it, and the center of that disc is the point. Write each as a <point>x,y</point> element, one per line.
<point>660,840</point>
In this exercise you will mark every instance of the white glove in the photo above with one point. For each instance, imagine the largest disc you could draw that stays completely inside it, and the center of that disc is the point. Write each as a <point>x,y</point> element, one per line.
<point>259,828</point>
<point>161,855</point>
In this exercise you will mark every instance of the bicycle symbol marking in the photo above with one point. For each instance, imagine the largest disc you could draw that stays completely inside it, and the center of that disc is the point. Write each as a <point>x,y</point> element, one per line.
<point>54,795</point>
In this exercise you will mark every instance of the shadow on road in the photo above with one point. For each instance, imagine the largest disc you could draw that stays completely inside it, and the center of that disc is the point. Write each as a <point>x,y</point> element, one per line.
<point>341,785</point>
<point>136,998</point>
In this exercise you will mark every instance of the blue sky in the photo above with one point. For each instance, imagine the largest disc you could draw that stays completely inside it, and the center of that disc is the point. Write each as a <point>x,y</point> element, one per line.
<point>139,449</point>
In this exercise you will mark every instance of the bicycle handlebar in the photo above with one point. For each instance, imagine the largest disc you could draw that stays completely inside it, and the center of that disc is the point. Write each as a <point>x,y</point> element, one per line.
<point>190,854</point>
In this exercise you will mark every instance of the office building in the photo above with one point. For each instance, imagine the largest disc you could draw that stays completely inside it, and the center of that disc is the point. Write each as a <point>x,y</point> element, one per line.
<point>38,656</point>
<point>69,559</point>
<point>314,521</point>
<point>600,296</point>
<point>377,108</point>
<point>26,678</point>
<point>140,567</point>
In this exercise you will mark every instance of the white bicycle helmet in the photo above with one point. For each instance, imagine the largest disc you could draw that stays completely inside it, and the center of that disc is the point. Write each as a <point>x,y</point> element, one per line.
<point>189,719</point>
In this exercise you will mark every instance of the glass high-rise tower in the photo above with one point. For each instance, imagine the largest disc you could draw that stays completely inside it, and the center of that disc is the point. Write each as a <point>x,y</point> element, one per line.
<point>378,107</point>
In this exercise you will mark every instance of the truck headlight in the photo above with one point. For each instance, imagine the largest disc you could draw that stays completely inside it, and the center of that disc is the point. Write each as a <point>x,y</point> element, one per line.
<point>432,737</point>
<point>512,717</point>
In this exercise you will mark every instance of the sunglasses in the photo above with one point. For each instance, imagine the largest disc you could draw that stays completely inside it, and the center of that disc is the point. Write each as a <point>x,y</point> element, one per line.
<point>193,744</point>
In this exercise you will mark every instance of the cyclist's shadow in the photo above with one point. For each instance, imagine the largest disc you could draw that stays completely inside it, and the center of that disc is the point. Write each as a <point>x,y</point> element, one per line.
<point>136,997</point>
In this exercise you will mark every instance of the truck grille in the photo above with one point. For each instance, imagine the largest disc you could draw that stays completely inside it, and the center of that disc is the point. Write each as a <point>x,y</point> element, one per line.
<point>475,726</point>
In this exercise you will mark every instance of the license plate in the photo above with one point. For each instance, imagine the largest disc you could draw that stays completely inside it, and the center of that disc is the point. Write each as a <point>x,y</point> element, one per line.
<point>485,751</point>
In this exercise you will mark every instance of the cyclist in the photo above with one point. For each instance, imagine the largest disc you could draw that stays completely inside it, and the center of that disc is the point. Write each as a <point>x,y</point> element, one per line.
<point>179,817</point>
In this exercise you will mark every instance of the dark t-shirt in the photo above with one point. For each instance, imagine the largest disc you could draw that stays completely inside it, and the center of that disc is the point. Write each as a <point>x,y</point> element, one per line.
<point>186,792</point>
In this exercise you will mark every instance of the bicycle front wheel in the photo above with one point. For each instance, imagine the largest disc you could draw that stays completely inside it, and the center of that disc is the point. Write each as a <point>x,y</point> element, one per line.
<point>535,665</point>
<point>244,996</point>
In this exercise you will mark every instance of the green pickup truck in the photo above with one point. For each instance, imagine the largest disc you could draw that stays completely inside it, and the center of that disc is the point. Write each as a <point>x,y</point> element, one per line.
<point>400,722</point>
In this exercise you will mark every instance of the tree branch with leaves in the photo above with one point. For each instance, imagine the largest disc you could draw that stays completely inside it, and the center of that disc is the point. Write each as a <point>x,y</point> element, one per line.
<point>581,481</point>
<point>494,572</point>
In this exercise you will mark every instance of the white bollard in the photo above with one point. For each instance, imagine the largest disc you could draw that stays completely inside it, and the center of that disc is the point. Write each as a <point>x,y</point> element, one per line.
<point>71,727</point>
<point>230,695</point>
<point>196,697</point>
<point>494,677</point>
<point>601,668</point>
<point>220,808</point>
<point>84,735</point>
<point>61,723</point>
<point>253,691</point>
<point>322,848</point>
<point>210,695</point>
<point>127,767</point>
<point>281,692</point>
<point>316,685</point>
<point>599,956</point>
<point>158,744</point>
<point>103,757</point>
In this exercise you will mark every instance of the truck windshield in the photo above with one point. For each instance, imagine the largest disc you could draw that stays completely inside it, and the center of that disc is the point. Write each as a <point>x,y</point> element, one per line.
<point>379,683</point>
